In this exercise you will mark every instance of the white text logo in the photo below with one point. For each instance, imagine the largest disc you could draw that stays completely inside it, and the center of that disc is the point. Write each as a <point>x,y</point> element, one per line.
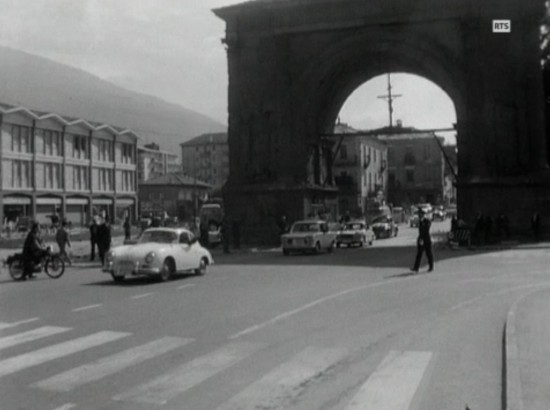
<point>502,26</point>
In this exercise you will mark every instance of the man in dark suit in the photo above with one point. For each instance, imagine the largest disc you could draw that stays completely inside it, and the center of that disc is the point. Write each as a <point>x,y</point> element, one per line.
<point>423,242</point>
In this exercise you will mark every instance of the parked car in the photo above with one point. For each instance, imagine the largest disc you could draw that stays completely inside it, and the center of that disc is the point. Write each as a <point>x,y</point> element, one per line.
<point>159,252</point>
<point>354,233</point>
<point>384,227</point>
<point>309,235</point>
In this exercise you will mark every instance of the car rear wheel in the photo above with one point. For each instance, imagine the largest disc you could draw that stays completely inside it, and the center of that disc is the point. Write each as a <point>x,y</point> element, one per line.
<point>286,252</point>
<point>331,247</point>
<point>117,278</point>
<point>201,270</point>
<point>167,270</point>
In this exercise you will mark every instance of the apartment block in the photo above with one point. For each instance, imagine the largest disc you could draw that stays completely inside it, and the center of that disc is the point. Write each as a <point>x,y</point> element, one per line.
<point>206,157</point>
<point>154,162</point>
<point>73,167</point>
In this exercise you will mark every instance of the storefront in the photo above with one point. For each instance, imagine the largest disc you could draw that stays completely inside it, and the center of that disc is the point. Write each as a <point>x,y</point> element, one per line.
<point>46,207</point>
<point>76,211</point>
<point>102,204</point>
<point>15,207</point>
<point>125,207</point>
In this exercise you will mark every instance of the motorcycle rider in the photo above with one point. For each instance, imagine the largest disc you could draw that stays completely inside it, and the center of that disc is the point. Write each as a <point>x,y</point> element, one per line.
<point>33,251</point>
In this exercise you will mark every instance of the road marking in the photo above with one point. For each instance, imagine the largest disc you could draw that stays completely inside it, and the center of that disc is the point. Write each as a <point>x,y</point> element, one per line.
<point>189,285</point>
<point>80,309</point>
<point>143,295</point>
<point>31,335</point>
<point>67,406</point>
<point>110,365</point>
<point>290,313</point>
<point>162,389</point>
<point>278,388</point>
<point>9,325</point>
<point>24,361</point>
<point>393,384</point>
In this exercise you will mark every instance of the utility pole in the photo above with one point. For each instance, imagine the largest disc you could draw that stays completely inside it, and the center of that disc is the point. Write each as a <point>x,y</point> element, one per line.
<point>390,97</point>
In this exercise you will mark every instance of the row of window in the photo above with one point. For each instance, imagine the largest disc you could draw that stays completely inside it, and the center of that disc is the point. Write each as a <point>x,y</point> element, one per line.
<point>49,142</point>
<point>18,174</point>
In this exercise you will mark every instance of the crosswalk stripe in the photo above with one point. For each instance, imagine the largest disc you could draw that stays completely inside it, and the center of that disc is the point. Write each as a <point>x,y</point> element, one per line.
<point>24,361</point>
<point>110,365</point>
<point>161,389</point>
<point>30,335</point>
<point>4,325</point>
<point>393,384</point>
<point>67,406</point>
<point>280,386</point>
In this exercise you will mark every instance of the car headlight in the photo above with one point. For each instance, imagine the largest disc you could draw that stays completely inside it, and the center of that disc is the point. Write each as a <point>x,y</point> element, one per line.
<point>150,257</point>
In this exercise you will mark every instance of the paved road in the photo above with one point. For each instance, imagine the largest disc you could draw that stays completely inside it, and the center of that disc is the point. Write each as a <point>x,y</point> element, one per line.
<point>342,331</point>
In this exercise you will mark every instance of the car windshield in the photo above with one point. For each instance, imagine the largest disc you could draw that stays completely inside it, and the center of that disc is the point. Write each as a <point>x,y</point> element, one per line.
<point>354,226</point>
<point>306,227</point>
<point>381,219</point>
<point>158,237</point>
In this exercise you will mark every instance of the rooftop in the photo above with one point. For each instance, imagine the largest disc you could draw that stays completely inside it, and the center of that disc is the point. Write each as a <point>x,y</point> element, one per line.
<point>205,139</point>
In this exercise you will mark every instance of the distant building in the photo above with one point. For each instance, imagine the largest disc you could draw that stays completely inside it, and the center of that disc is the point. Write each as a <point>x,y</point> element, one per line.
<point>153,162</point>
<point>207,158</point>
<point>416,166</point>
<point>360,169</point>
<point>73,167</point>
<point>176,193</point>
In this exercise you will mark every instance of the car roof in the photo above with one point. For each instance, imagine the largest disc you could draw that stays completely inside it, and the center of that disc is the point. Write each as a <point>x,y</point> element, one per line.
<point>311,221</point>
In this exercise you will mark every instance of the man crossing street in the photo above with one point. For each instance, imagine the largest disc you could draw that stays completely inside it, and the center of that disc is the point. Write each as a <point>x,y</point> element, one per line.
<point>423,243</point>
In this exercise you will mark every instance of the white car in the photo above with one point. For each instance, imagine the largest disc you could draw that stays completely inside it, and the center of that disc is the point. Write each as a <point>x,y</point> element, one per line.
<point>355,232</point>
<point>159,252</point>
<point>308,235</point>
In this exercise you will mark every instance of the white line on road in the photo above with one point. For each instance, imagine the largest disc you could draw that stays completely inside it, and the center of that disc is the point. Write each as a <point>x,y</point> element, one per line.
<point>110,365</point>
<point>21,322</point>
<point>312,304</point>
<point>160,390</point>
<point>80,309</point>
<point>279,387</point>
<point>30,335</point>
<point>393,384</point>
<point>189,285</point>
<point>143,295</point>
<point>24,361</point>
<point>67,406</point>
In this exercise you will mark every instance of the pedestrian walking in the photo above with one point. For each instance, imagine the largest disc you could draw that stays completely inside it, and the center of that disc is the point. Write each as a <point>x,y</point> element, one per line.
<point>103,238</point>
<point>93,237</point>
<point>283,225</point>
<point>423,243</point>
<point>127,228</point>
<point>535,226</point>
<point>62,239</point>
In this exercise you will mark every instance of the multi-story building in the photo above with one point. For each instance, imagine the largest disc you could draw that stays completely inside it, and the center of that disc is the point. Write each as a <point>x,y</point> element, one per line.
<point>416,166</point>
<point>175,193</point>
<point>207,157</point>
<point>360,169</point>
<point>72,167</point>
<point>153,162</point>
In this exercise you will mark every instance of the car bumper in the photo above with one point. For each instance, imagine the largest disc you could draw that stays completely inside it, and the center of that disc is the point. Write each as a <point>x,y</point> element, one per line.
<point>133,269</point>
<point>349,239</point>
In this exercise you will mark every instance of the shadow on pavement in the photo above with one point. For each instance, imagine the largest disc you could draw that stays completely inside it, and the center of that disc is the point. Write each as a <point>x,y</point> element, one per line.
<point>136,281</point>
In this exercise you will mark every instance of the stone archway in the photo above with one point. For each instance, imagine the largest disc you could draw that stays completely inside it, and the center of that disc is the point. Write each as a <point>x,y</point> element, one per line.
<point>292,64</point>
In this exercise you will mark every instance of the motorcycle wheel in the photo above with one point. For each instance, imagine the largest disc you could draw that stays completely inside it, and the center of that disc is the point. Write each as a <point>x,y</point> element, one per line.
<point>55,267</point>
<point>16,269</point>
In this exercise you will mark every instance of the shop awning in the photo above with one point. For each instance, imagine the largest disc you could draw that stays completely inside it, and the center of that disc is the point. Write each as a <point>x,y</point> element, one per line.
<point>102,201</point>
<point>16,200</point>
<point>48,201</point>
<point>77,201</point>
<point>125,201</point>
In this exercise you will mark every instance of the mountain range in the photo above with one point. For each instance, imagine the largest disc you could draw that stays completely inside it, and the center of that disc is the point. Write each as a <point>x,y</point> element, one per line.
<point>41,84</point>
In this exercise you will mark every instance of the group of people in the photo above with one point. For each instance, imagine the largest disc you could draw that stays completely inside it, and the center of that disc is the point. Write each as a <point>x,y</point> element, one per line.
<point>100,236</point>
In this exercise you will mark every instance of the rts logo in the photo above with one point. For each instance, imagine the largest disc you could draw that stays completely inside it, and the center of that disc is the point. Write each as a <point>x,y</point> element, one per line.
<point>502,26</point>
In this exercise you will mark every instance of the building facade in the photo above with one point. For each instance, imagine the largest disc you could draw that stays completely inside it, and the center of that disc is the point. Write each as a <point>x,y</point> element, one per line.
<point>360,169</point>
<point>72,167</point>
<point>153,162</point>
<point>206,157</point>
<point>177,194</point>
<point>416,167</point>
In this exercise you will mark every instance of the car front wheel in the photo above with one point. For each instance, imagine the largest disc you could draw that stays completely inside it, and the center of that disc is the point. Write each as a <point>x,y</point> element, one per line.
<point>167,270</point>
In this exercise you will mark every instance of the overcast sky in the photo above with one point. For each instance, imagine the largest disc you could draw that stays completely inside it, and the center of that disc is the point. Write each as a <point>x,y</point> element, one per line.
<point>172,49</point>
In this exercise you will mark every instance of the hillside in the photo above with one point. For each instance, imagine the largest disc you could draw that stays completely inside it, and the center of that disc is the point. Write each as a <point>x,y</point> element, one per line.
<point>42,84</point>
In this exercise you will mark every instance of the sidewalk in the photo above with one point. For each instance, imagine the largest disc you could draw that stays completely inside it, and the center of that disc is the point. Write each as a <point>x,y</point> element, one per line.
<point>527,353</point>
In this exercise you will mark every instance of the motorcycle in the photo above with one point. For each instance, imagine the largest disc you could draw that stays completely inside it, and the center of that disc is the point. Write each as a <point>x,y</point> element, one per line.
<point>52,264</point>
